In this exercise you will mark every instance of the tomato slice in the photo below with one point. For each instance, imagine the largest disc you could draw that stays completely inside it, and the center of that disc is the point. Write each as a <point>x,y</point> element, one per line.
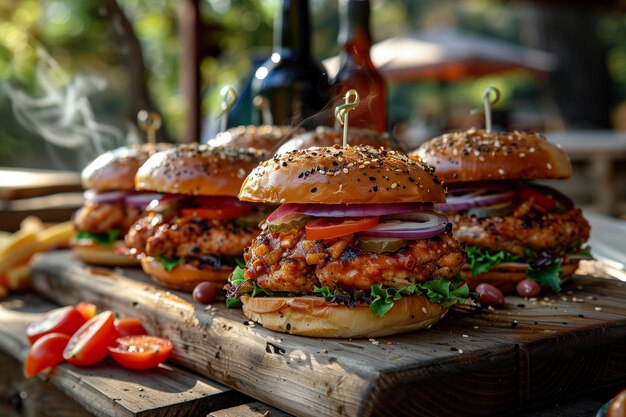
<point>89,344</point>
<point>64,320</point>
<point>130,326</point>
<point>216,213</point>
<point>329,228</point>
<point>87,310</point>
<point>543,200</point>
<point>47,351</point>
<point>141,352</point>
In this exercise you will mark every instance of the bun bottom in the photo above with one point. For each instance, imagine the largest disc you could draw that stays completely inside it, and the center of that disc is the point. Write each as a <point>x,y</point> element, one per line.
<point>316,317</point>
<point>506,276</point>
<point>183,277</point>
<point>95,254</point>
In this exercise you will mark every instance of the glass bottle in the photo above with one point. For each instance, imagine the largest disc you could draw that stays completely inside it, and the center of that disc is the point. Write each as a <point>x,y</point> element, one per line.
<point>295,85</point>
<point>356,69</point>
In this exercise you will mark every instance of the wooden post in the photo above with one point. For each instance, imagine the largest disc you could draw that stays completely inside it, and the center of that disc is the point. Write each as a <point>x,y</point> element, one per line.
<point>190,28</point>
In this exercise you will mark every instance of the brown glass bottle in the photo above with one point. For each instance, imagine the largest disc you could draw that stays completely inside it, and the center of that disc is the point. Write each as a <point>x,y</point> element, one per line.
<point>294,83</point>
<point>356,69</point>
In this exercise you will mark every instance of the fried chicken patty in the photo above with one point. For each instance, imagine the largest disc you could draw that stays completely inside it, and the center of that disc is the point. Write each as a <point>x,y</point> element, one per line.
<point>287,262</point>
<point>188,237</point>
<point>103,217</point>
<point>526,228</point>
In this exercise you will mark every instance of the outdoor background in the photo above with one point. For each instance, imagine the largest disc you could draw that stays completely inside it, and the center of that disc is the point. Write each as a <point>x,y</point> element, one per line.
<point>69,86</point>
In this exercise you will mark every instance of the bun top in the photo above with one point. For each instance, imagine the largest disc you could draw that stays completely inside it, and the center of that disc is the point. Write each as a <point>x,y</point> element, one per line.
<point>196,169</point>
<point>477,155</point>
<point>115,170</point>
<point>338,175</point>
<point>325,136</point>
<point>265,138</point>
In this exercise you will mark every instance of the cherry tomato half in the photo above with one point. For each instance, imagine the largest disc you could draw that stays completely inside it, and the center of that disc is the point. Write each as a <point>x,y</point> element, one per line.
<point>130,326</point>
<point>47,351</point>
<point>329,228</point>
<point>89,344</point>
<point>141,352</point>
<point>64,320</point>
<point>88,310</point>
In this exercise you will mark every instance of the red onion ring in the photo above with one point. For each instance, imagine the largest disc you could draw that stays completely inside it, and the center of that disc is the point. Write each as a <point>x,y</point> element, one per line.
<point>468,201</point>
<point>346,210</point>
<point>142,200</point>
<point>424,225</point>
<point>102,198</point>
<point>166,201</point>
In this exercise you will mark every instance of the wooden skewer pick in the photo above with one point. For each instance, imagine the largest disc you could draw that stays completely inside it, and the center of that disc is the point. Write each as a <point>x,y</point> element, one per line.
<point>229,98</point>
<point>351,101</point>
<point>149,122</point>
<point>487,103</point>
<point>263,104</point>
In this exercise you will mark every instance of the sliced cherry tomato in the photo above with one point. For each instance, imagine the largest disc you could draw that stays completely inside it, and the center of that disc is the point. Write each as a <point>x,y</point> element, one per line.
<point>141,352</point>
<point>329,228</point>
<point>130,326</point>
<point>47,351</point>
<point>216,213</point>
<point>544,200</point>
<point>88,310</point>
<point>64,320</point>
<point>89,344</point>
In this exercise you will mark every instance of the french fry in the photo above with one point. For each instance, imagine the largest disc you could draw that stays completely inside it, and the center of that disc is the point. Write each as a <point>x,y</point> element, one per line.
<point>55,236</point>
<point>18,278</point>
<point>21,246</point>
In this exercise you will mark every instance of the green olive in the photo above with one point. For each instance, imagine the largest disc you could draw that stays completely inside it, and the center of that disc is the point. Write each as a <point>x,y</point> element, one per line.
<point>381,244</point>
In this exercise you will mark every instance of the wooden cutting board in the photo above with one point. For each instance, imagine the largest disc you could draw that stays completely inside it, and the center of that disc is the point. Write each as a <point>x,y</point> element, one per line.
<point>474,362</point>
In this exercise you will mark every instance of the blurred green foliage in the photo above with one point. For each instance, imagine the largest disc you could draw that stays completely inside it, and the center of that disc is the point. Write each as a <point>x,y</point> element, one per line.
<point>77,35</point>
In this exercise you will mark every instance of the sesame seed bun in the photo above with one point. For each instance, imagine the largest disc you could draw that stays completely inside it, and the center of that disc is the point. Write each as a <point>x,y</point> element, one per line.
<point>183,277</point>
<point>477,155</point>
<point>337,175</point>
<point>115,170</point>
<point>95,254</point>
<point>195,169</point>
<point>264,138</point>
<point>316,317</point>
<point>325,136</point>
<point>506,275</point>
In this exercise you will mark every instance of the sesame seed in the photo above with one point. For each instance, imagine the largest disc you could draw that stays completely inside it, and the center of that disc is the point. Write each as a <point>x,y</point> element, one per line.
<point>394,185</point>
<point>501,171</point>
<point>424,310</point>
<point>549,165</point>
<point>521,155</point>
<point>345,170</point>
<point>531,150</point>
<point>314,189</point>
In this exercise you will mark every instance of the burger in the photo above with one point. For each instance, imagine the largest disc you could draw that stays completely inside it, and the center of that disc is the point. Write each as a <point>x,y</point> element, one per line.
<point>111,205</point>
<point>325,136</point>
<point>197,229</point>
<point>513,228</point>
<point>354,250</point>
<point>266,138</point>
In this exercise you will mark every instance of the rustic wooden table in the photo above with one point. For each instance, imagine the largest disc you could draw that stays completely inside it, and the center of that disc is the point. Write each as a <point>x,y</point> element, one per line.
<point>475,362</point>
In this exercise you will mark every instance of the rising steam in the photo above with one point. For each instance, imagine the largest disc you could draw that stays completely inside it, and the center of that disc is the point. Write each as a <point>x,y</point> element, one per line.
<point>62,115</point>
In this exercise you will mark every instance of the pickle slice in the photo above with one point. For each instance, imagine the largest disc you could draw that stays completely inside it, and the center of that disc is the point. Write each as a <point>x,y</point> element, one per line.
<point>291,224</point>
<point>381,244</point>
<point>501,209</point>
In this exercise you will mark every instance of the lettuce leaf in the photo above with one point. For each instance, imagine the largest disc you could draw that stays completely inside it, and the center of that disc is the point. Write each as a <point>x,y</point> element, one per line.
<point>170,263</point>
<point>103,239</point>
<point>481,260</point>
<point>547,275</point>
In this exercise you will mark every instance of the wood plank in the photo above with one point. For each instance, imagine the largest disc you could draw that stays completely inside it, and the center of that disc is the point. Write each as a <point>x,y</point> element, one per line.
<point>110,390</point>
<point>485,362</point>
<point>25,183</point>
<point>23,397</point>
<point>255,409</point>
